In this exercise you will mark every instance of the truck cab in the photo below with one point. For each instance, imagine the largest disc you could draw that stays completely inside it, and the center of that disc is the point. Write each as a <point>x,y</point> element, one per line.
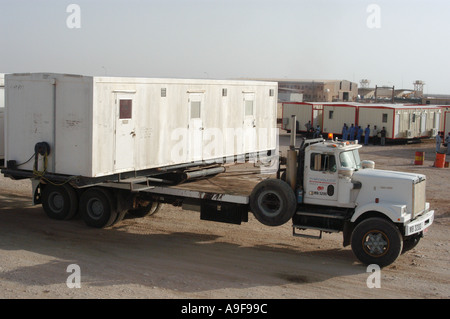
<point>381,213</point>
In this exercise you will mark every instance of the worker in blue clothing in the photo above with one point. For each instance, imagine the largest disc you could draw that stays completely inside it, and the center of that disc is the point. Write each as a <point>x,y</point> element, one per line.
<point>438,142</point>
<point>351,132</point>
<point>359,133</point>
<point>344,132</point>
<point>366,135</point>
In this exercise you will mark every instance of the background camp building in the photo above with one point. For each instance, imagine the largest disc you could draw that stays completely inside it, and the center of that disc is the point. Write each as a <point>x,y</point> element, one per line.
<point>401,121</point>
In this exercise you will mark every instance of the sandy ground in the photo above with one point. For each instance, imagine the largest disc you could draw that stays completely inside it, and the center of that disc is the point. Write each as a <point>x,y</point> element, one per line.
<point>175,255</point>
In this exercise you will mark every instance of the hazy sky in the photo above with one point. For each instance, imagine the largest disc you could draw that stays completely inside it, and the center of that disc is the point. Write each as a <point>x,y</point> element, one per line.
<point>392,42</point>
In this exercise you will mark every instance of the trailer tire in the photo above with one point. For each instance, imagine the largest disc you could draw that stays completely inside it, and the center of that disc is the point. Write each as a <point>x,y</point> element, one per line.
<point>148,210</point>
<point>376,241</point>
<point>59,202</point>
<point>97,207</point>
<point>273,202</point>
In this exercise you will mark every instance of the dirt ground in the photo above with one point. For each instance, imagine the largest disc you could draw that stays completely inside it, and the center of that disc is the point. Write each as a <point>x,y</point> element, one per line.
<point>174,254</point>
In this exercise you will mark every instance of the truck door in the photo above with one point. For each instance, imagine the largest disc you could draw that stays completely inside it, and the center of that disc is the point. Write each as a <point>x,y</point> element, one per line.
<point>249,125</point>
<point>320,179</point>
<point>195,130</point>
<point>125,132</point>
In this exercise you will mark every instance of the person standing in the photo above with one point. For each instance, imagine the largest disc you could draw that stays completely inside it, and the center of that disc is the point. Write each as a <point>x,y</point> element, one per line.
<point>344,132</point>
<point>352,133</point>
<point>438,142</point>
<point>366,135</point>
<point>374,135</point>
<point>383,136</point>
<point>359,134</point>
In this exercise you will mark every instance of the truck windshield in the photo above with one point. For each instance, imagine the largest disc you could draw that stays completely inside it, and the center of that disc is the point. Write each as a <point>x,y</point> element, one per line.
<point>350,159</point>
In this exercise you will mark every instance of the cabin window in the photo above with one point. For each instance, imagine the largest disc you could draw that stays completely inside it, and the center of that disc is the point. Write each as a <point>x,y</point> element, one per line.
<point>195,109</point>
<point>125,109</point>
<point>323,162</point>
<point>385,118</point>
<point>163,92</point>
<point>271,92</point>
<point>224,92</point>
<point>248,108</point>
<point>330,115</point>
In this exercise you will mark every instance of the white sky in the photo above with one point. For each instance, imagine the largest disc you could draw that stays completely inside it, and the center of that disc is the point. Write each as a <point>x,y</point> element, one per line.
<point>292,39</point>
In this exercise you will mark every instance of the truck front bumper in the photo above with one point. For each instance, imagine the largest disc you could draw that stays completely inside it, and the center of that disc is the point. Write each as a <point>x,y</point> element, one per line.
<point>419,224</point>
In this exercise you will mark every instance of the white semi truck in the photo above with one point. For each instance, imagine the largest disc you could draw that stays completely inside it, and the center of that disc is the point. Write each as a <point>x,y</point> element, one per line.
<point>326,187</point>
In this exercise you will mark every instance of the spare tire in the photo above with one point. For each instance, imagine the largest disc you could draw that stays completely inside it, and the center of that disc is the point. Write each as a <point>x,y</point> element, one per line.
<point>273,202</point>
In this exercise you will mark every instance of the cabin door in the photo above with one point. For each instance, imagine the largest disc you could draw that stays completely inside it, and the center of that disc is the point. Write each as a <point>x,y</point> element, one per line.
<point>249,125</point>
<point>195,128</point>
<point>125,133</point>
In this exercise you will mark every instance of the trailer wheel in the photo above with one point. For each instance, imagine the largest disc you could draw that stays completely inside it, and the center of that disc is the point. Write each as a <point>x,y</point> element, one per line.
<point>97,207</point>
<point>59,202</point>
<point>376,241</point>
<point>148,210</point>
<point>273,202</point>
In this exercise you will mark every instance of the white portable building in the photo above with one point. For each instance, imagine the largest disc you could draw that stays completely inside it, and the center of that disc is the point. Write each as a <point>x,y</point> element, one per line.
<point>304,111</point>
<point>336,114</point>
<point>100,126</point>
<point>401,121</point>
<point>2,116</point>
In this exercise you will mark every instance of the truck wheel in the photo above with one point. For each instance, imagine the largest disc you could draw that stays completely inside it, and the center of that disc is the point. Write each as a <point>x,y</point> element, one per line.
<point>148,210</point>
<point>59,202</point>
<point>376,241</point>
<point>273,202</point>
<point>97,207</point>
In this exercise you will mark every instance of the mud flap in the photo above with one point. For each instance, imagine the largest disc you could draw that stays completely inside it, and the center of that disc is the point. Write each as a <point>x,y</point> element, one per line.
<point>36,191</point>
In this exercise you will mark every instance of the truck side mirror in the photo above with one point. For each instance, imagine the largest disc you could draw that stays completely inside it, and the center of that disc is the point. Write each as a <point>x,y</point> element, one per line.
<point>345,172</point>
<point>368,164</point>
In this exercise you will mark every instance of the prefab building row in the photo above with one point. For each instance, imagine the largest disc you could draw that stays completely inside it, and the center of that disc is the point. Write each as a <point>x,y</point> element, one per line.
<point>99,126</point>
<point>401,121</point>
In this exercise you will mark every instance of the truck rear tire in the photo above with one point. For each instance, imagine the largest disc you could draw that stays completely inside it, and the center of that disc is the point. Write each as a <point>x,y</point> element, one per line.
<point>273,202</point>
<point>376,241</point>
<point>59,202</point>
<point>97,207</point>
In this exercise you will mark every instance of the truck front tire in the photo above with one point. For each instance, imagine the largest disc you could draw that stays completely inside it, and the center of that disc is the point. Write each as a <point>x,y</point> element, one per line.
<point>376,241</point>
<point>273,202</point>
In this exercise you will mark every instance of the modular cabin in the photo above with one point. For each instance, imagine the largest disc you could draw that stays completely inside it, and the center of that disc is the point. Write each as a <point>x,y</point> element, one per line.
<point>335,115</point>
<point>100,126</point>
<point>305,112</point>
<point>402,122</point>
<point>2,117</point>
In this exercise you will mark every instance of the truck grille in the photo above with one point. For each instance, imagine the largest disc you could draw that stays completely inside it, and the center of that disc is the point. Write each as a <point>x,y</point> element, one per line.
<point>418,198</point>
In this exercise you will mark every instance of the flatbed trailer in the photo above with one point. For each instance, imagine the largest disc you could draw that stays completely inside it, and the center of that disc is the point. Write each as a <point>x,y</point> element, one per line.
<point>102,203</point>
